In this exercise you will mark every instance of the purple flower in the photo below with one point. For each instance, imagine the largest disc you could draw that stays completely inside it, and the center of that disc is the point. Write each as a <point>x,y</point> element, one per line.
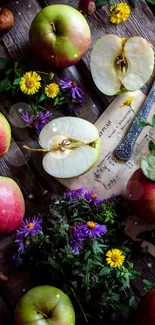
<point>91,196</point>
<point>72,194</point>
<point>28,119</point>
<point>67,85</point>
<point>29,228</point>
<point>82,232</point>
<point>73,92</point>
<point>92,230</point>
<point>37,122</point>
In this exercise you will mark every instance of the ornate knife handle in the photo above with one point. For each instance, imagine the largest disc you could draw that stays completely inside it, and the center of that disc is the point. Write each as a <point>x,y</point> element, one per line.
<point>125,149</point>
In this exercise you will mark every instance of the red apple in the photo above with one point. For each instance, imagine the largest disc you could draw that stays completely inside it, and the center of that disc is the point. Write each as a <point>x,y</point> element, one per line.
<point>140,192</point>
<point>44,305</point>
<point>60,35</point>
<point>12,206</point>
<point>87,7</point>
<point>145,314</point>
<point>5,135</point>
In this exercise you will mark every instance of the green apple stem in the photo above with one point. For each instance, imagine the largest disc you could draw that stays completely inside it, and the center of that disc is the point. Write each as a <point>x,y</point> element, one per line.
<point>41,313</point>
<point>34,149</point>
<point>53,26</point>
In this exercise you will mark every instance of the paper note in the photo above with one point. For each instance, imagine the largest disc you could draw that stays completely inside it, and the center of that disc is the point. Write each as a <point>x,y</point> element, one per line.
<point>109,176</point>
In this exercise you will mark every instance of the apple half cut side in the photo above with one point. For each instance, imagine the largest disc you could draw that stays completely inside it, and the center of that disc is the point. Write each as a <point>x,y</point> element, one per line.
<point>121,64</point>
<point>72,146</point>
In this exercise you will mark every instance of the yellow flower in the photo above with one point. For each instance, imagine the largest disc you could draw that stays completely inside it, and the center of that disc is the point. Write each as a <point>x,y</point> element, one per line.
<point>127,102</point>
<point>119,13</point>
<point>52,90</point>
<point>115,257</point>
<point>30,83</point>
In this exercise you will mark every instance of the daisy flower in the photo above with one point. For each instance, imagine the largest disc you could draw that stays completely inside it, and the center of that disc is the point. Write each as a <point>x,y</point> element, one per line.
<point>119,13</point>
<point>127,102</point>
<point>52,90</point>
<point>30,83</point>
<point>115,257</point>
<point>29,228</point>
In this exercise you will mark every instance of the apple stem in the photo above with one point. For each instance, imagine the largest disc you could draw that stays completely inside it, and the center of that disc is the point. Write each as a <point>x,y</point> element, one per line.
<point>40,312</point>
<point>34,149</point>
<point>53,25</point>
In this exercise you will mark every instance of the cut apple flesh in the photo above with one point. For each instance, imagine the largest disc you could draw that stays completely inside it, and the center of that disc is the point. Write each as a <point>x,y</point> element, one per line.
<point>117,63</point>
<point>72,145</point>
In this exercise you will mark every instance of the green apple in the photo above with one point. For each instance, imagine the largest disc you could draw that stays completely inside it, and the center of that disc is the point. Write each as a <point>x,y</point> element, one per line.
<point>5,135</point>
<point>44,305</point>
<point>121,64</point>
<point>60,35</point>
<point>72,145</point>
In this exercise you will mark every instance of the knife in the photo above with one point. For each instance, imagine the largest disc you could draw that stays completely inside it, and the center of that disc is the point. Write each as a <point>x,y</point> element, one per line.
<point>125,148</point>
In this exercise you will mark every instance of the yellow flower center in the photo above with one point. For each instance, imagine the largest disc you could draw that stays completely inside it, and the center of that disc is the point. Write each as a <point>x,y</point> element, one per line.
<point>115,257</point>
<point>30,225</point>
<point>29,83</point>
<point>91,224</point>
<point>94,196</point>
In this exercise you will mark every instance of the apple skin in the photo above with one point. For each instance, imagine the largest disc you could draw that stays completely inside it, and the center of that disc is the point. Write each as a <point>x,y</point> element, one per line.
<point>5,135</point>
<point>60,35</point>
<point>6,20</point>
<point>140,193</point>
<point>12,206</point>
<point>44,305</point>
<point>145,314</point>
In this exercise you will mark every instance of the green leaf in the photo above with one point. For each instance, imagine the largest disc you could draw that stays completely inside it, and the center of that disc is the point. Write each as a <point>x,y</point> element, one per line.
<point>148,235</point>
<point>116,297</point>
<point>42,97</point>
<point>148,166</point>
<point>132,301</point>
<point>16,81</point>
<point>152,147</point>
<point>148,285</point>
<point>105,271</point>
<point>4,84</point>
<point>9,71</point>
<point>132,3</point>
<point>3,62</point>
<point>100,3</point>
<point>56,101</point>
<point>153,120</point>
<point>151,1</point>
<point>86,255</point>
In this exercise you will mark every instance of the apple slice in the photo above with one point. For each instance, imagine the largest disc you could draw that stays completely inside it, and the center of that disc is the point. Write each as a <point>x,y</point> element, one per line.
<point>121,64</point>
<point>72,145</point>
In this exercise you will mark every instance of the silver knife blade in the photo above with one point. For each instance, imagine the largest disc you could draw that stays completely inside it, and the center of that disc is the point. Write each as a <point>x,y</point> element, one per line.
<point>125,148</point>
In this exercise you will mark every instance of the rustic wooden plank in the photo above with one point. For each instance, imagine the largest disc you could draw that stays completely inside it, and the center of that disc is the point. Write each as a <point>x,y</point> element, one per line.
<point>5,313</point>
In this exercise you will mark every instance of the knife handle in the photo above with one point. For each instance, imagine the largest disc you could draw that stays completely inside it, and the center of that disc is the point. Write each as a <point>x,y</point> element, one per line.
<point>125,148</point>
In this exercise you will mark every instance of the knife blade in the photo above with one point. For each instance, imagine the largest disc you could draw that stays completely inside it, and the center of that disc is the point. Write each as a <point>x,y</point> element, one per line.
<point>125,148</point>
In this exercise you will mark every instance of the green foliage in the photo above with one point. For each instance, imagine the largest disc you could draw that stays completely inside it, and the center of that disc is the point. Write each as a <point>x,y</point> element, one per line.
<point>148,285</point>
<point>97,288</point>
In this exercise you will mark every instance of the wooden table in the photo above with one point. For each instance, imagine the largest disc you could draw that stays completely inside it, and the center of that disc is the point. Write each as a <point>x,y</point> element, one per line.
<point>30,176</point>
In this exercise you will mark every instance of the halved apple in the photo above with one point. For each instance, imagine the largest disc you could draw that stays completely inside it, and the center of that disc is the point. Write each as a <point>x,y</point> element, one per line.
<point>72,145</point>
<point>121,64</point>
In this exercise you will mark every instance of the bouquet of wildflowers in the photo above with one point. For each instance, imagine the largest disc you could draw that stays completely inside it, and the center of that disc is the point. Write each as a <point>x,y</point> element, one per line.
<point>79,241</point>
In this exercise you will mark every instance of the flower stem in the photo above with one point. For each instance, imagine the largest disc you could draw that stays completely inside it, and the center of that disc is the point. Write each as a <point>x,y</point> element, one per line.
<point>79,305</point>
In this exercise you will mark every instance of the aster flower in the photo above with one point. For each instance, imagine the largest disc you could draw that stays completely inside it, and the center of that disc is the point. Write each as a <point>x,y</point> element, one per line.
<point>119,13</point>
<point>30,83</point>
<point>115,257</point>
<point>91,196</point>
<point>92,230</point>
<point>72,194</point>
<point>82,232</point>
<point>52,90</point>
<point>29,228</point>
<point>73,92</point>
<point>67,85</point>
<point>37,122</point>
